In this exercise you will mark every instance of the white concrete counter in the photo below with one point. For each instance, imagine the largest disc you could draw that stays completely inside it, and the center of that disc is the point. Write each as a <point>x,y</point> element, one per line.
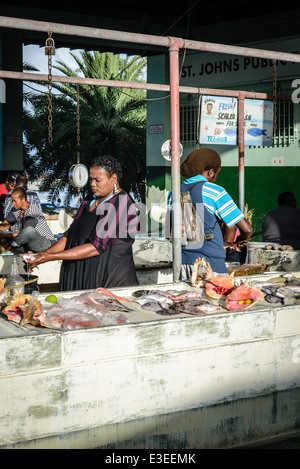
<point>179,382</point>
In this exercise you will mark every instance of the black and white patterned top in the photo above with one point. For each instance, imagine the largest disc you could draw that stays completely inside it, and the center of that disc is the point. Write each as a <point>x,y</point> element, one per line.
<point>31,196</point>
<point>34,217</point>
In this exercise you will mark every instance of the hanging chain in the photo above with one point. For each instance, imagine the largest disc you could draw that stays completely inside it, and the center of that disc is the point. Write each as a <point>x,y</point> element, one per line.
<point>50,137</point>
<point>274,97</point>
<point>78,134</point>
<point>78,125</point>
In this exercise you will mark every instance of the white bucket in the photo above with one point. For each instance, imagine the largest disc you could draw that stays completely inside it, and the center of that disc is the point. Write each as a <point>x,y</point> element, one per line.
<point>252,245</point>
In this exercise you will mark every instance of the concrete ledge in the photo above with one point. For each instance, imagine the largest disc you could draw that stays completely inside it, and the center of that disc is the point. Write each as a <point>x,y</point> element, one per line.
<point>207,382</point>
<point>275,257</point>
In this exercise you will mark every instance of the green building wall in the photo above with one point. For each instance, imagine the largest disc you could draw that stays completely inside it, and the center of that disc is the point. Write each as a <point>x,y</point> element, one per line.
<point>263,181</point>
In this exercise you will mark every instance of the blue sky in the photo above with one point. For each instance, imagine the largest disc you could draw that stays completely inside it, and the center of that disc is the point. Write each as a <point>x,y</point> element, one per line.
<point>36,56</point>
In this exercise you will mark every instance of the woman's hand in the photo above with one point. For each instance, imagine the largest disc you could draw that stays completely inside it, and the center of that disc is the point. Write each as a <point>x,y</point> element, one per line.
<point>39,259</point>
<point>84,251</point>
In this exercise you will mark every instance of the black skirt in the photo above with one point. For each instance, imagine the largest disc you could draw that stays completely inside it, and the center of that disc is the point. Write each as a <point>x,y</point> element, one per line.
<point>112,268</point>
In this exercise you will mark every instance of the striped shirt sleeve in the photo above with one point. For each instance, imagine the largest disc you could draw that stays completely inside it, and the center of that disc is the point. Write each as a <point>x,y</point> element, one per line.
<point>219,202</point>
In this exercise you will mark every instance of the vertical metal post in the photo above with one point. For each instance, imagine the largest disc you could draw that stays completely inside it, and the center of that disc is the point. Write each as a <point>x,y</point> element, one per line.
<point>241,136</point>
<point>175,154</point>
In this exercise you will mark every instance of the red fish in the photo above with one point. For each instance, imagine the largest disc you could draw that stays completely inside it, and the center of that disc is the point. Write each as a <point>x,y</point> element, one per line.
<point>219,287</point>
<point>104,292</point>
<point>243,297</point>
<point>75,322</point>
<point>188,295</point>
<point>51,320</point>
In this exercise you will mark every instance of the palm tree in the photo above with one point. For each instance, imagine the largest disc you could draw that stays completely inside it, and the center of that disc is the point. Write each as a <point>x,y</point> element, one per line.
<point>112,121</point>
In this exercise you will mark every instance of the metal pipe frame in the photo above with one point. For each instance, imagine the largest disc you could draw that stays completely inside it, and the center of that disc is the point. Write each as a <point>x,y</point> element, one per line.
<point>174,45</point>
<point>29,76</point>
<point>147,39</point>
<point>175,156</point>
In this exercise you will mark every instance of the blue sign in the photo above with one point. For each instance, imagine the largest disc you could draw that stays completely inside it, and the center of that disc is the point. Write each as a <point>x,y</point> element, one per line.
<point>258,122</point>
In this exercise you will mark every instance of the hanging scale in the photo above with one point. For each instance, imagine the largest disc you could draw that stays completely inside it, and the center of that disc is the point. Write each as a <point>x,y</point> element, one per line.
<point>78,174</point>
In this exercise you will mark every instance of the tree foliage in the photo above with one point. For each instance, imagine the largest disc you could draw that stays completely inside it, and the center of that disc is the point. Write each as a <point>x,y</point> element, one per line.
<point>112,121</point>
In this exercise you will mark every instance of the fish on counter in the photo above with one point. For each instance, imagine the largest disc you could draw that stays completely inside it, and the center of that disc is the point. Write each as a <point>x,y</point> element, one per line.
<point>83,310</point>
<point>284,289</point>
<point>168,303</point>
<point>98,299</point>
<point>109,294</point>
<point>156,303</point>
<point>71,318</point>
<point>172,295</point>
<point>196,308</point>
<point>161,302</point>
<point>279,294</point>
<point>66,313</point>
<point>155,300</point>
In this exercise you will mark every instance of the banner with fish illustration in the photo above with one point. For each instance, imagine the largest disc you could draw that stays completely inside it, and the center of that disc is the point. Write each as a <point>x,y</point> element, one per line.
<point>218,123</point>
<point>258,122</point>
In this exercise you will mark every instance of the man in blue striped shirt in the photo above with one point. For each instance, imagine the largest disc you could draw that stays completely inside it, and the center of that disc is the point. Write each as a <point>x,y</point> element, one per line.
<point>203,166</point>
<point>217,201</point>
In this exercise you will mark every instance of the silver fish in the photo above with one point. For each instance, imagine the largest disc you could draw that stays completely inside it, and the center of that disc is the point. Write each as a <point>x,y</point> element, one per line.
<point>291,301</point>
<point>269,289</point>
<point>273,299</point>
<point>283,292</point>
<point>167,312</point>
<point>292,282</point>
<point>139,293</point>
<point>153,297</point>
<point>155,306</point>
<point>196,308</point>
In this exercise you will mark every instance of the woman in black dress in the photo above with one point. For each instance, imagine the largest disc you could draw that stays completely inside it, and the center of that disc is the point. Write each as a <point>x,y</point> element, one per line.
<point>96,250</point>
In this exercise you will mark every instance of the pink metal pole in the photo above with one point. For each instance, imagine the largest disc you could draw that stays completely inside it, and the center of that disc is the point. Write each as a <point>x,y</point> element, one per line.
<point>241,137</point>
<point>237,50</point>
<point>175,45</point>
<point>121,36</point>
<point>82,31</point>
<point>28,76</point>
<point>25,76</point>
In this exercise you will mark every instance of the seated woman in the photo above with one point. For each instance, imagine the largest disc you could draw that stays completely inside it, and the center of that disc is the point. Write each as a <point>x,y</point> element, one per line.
<point>96,250</point>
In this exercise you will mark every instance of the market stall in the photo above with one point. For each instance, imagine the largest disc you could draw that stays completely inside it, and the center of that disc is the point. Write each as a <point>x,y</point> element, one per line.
<point>155,379</point>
